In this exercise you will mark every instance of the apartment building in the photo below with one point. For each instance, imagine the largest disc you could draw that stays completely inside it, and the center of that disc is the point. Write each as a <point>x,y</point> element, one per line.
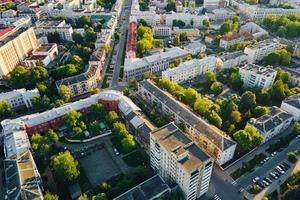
<point>230,40</point>
<point>210,5</point>
<point>292,105</point>
<point>162,31</point>
<point>179,160</point>
<point>131,40</point>
<point>255,75</point>
<point>273,123</point>
<point>190,32</point>
<point>46,53</point>
<point>260,50</point>
<point>64,30</point>
<point>15,47</point>
<point>294,77</point>
<point>190,69</point>
<point>221,14</point>
<point>232,59</point>
<point>19,98</point>
<point>195,47</point>
<point>216,143</point>
<point>155,64</point>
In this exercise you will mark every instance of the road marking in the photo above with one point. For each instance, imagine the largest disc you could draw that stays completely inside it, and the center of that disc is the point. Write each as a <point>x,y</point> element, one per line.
<point>216,197</point>
<point>234,183</point>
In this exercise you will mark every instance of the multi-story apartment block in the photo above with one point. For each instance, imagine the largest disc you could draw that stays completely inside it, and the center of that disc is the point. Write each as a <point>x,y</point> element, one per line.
<point>255,75</point>
<point>162,31</point>
<point>19,98</point>
<point>260,50</point>
<point>212,140</point>
<point>179,160</point>
<point>195,47</point>
<point>64,30</point>
<point>294,77</point>
<point>292,105</point>
<point>232,59</point>
<point>210,5</point>
<point>273,123</point>
<point>221,14</point>
<point>15,47</point>
<point>190,69</point>
<point>135,68</point>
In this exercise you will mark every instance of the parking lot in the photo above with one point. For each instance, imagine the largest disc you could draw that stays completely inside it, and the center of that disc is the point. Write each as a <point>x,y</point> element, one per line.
<point>264,169</point>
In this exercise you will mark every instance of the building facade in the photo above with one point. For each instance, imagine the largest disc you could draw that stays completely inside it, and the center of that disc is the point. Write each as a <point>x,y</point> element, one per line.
<point>260,50</point>
<point>179,160</point>
<point>292,105</point>
<point>232,59</point>
<point>255,75</point>
<point>190,69</point>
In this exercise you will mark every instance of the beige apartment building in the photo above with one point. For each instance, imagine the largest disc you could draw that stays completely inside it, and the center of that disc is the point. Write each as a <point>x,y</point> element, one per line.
<point>15,48</point>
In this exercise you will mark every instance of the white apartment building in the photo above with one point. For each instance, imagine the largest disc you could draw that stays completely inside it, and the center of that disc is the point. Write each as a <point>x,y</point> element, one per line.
<point>255,75</point>
<point>212,140</point>
<point>232,59</point>
<point>19,98</point>
<point>134,68</point>
<point>162,31</point>
<point>294,77</point>
<point>291,2</point>
<point>292,105</point>
<point>64,30</point>
<point>273,123</point>
<point>45,53</point>
<point>190,69</point>
<point>260,50</point>
<point>179,160</point>
<point>14,51</point>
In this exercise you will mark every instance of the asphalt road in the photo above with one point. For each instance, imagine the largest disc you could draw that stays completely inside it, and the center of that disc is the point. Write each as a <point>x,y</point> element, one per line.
<point>263,170</point>
<point>116,72</point>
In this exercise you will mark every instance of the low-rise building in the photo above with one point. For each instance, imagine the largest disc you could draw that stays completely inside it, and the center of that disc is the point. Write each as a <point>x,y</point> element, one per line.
<point>273,123</point>
<point>221,14</point>
<point>195,47</point>
<point>227,41</point>
<point>131,40</point>
<point>179,160</point>
<point>260,50</point>
<point>135,68</point>
<point>232,59</point>
<point>253,28</point>
<point>292,105</point>
<point>19,98</point>
<point>212,140</point>
<point>103,38</point>
<point>45,53</point>
<point>255,75</point>
<point>190,69</point>
<point>210,5</point>
<point>294,76</point>
<point>64,30</point>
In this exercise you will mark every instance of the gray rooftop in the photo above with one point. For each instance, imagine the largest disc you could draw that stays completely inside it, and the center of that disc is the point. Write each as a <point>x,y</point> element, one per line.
<point>257,69</point>
<point>293,101</point>
<point>220,139</point>
<point>149,189</point>
<point>231,55</point>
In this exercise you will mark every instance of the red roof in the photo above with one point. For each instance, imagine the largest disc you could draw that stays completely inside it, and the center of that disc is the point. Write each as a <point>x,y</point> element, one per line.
<point>132,35</point>
<point>8,29</point>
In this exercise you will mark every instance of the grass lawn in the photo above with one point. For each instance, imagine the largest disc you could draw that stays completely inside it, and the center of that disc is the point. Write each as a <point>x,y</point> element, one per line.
<point>136,158</point>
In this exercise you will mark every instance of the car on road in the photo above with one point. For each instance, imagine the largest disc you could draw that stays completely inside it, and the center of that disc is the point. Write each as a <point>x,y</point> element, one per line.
<point>268,180</point>
<point>274,154</point>
<point>116,151</point>
<point>255,179</point>
<point>279,171</point>
<point>266,183</point>
<point>273,175</point>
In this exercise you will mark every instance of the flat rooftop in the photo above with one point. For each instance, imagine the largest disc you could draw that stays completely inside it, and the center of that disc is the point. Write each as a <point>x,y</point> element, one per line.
<point>257,69</point>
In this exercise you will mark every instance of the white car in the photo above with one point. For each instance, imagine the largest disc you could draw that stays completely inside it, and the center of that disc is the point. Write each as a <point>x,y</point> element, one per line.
<point>274,154</point>
<point>255,179</point>
<point>116,151</point>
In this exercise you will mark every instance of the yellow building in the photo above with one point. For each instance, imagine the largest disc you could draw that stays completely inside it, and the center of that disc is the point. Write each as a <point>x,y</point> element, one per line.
<point>15,50</point>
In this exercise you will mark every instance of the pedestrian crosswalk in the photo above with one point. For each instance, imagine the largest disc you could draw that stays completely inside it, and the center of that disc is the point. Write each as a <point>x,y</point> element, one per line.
<point>234,183</point>
<point>216,197</point>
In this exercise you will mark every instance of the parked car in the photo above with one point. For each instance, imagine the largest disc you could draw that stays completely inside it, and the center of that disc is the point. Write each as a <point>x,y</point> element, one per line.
<point>116,151</point>
<point>274,154</point>
<point>255,179</point>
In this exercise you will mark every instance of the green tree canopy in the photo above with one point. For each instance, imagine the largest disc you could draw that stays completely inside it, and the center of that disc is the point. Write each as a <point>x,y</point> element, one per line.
<point>65,93</point>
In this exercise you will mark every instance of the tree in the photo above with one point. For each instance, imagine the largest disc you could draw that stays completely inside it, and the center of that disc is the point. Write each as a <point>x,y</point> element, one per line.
<point>50,196</point>
<point>53,37</point>
<point>41,144</point>
<point>100,196</point>
<point>216,88</point>
<point>107,4</point>
<point>260,111</point>
<point>65,166</point>
<point>52,136</point>
<point>95,91</point>
<point>19,77</point>
<point>209,78</point>
<point>97,111</point>
<point>171,6</point>
<point>282,75</point>
<point>279,57</point>
<point>117,36</point>
<point>128,143</point>
<point>90,35</point>
<point>112,117</point>
<point>226,27</point>
<point>292,157</point>
<point>256,136</point>
<point>244,139</point>
<point>176,40</point>
<point>65,93</point>
<point>5,110</point>
<point>215,119</point>
<point>38,74</point>
<point>206,24</point>
<point>190,96</point>
<point>248,101</point>
<point>183,37</point>
<point>83,197</point>
<point>74,122</point>
<point>41,103</point>
<point>77,37</point>
<point>119,129</point>
<point>84,20</point>
<point>142,46</point>
<point>278,92</point>
<point>97,27</point>
<point>235,116</point>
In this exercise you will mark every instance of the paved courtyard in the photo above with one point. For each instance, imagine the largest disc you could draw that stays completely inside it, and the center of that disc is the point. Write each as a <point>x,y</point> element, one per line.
<point>99,166</point>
